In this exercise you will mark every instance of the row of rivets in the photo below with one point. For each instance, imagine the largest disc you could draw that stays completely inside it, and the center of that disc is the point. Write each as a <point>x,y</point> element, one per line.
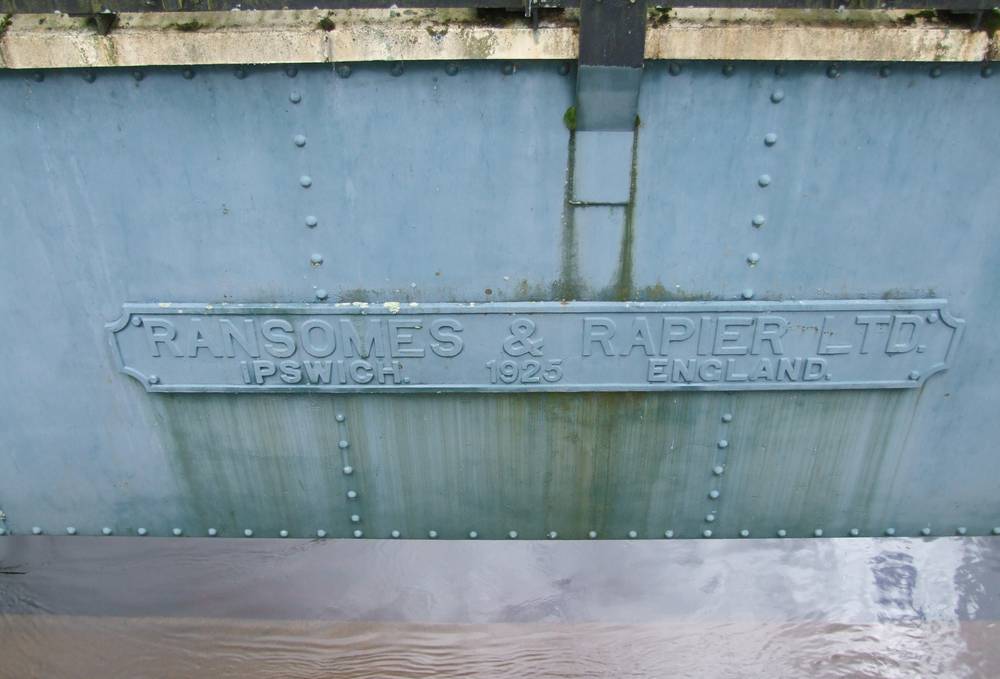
<point>513,535</point>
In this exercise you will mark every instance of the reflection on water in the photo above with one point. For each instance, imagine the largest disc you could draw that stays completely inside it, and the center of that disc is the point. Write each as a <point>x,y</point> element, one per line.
<point>115,607</point>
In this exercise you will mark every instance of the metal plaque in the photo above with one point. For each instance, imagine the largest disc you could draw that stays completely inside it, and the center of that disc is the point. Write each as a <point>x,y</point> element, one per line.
<point>543,346</point>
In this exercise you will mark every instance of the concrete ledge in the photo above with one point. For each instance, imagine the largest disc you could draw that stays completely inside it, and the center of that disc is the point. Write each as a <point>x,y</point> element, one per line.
<point>202,38</point>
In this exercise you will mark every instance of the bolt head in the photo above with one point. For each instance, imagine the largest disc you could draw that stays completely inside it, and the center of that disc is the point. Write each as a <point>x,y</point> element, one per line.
<point>136,321</point>
<point>936,72</point>
<point>187,73</point>
<point>727,417</point>
<point>451,69</point>
<point>343,444</point>
<point>432,534</point>
<point>106,531</point>
<point>300,141</point>
<point>723,443</point>
<point>348,470</point>
<point>339,417</point>
<point>321,533</point>
<point>925,531</point>
<point>996,530</point>
<point>141,532</point>
<point>592,535</point>
<point>395,533</point>
<point>552,535</point>
<point>90,76</point>
<point>321,294</point>
<point>668,534</point>
<point>305,181</point>
<point>727,70</point>
<point>854,532</point>
<point>283,533</point>
<point>744,533</point>
<point>961,530</point>
<point>764,180</point>
<point>758,220</point>
<point>777,96</point>
<point>714,494</point>
<point>709,518</point>
<point>311,222</point>
<point>212,532</point>
<point>718,470</point>
<point>359,533</point>
<point>833,72</point>
<point>564,68</point>
<point>818,533</point>
<point>138,75</point>
<point>344,70</point>
<point>396,70</point>
<point>355,518</point>
<point>70,530</point>
<point>177,532</point>
<point>153,379</point>
<point>885,72</point>
<point>38,76</point>
<point>291,71</point>
<point>706,533</point>
<point>508,69</point>
<point>512,535</point>
<point>674,69</point>
<point>316,259</point>
<point>351,494</point>
<point>914,375</point>
<point>986,72</point>
<point>890,532</point>
<point>632,535</point>
<point>782,532</point>
<point>240,73</point>
<point>295,97</point>
<point>770,139</point>
<point>747,293</point>
<point>35,530</point>
<point>248,533</point>
<point>473,535</point>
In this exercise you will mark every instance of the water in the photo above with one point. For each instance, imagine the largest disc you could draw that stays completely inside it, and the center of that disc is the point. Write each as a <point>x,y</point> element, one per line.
<point>116,607</point>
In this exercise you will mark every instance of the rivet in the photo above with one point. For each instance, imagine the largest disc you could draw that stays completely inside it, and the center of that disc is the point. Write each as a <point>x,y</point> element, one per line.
<point>321,294</point>
<point>247,532</point>
<point>291,71</point>
<point>136,321</point>
<point>451,69</point>
<point>723,443</point>
<point>70,530</point>
<point>212,532</point>
<point>890,532</point>
<point>758,220</point>
<point>355,518</point>
<point>914,375</point>
<point>395,534</point>
<point>961,530</point>
<point>986,72</point>
<point>706,533</point>
<point>553,535</point>
<point>339,417</point>
<point>710,518</point>
<point>240,73</point>
<point>316,259</point>
<point>747,293</point>
<point>718,469</point>
<point>818,533</point>
<point>925,531</point>
<point>744,533</point>
<point>38,76</point>
<point>854,532</point>
<point>343,444</point>
<point>668,534</point>
<point>727,70</point>
<point>106,531</point>
<point>777,96</point>
<point>727,417</point>
<point>177,532</point>
<point>300,141</point>
<point>283,533</point>
<point>508,69</point>
<point>359,533</point>
<point>352,494</point>
<point>885,72</point>
<point>473,535</point>
<point>936,72</point>
<point>512,535</point>
<point>833,72</point>
<point>592,535</point>
<point>141,532</point>
<point>714,494</point>
<point>674,68</point>
<point>432,534</point>
<point>782,532</point>
<point>138,75</point>
<point>764,179</point>
<point>153,379</point>
<point>90,76</point>
<point>35,530</point>
<point>321,533</point>
<point>753,258</point>
<point>306,181</point>
<point>932,317</point>
<point>344,70</point>
<point>397,69</point>
<point>779,70</point>
<point>564,68</point>
<point>348,470</point>
<point>632,535</point>
<point>770,139</point>
<point>187,73</point>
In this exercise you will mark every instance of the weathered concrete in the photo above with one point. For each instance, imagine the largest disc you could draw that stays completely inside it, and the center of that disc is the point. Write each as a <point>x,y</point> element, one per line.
<point>201,38</point>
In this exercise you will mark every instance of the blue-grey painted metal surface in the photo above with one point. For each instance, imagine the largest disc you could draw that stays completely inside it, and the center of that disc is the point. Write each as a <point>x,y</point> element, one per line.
<point>763,183</point>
